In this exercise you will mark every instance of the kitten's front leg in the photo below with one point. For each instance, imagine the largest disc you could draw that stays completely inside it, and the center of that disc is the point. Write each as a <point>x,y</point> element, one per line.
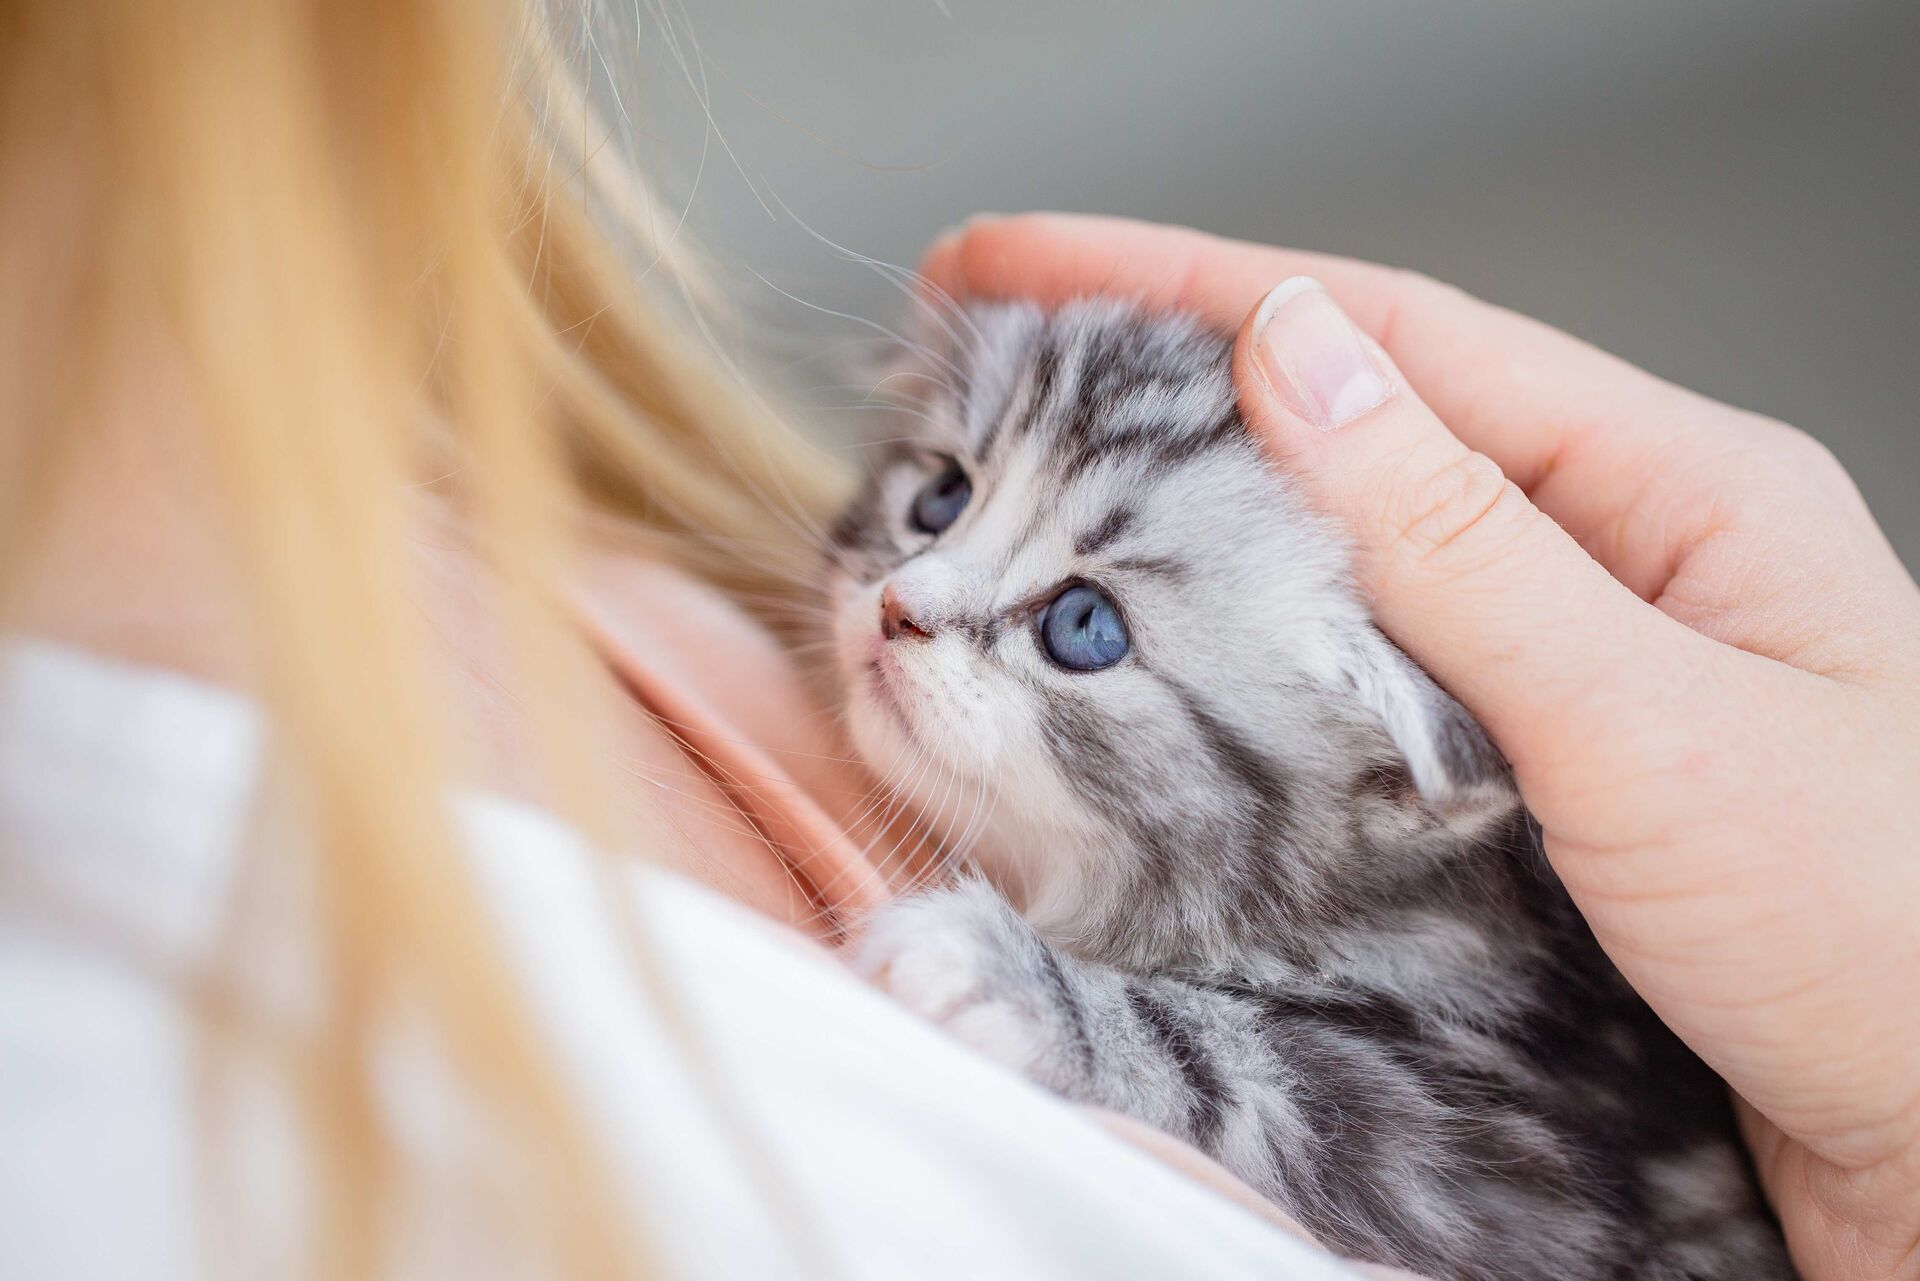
<point>963,958</point>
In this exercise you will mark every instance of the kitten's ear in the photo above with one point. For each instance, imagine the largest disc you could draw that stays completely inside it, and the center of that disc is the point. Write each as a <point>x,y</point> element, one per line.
<point>1457,771</point>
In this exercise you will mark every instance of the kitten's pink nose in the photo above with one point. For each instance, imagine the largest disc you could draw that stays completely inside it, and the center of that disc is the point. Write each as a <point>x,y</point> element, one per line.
<point>894,620</point>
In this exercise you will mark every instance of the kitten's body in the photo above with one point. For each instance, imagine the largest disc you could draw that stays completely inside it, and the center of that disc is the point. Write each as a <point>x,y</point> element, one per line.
<point>1275,892</point>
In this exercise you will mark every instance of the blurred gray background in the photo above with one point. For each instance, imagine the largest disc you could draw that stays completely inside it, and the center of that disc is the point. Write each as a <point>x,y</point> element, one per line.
<point>1726,193</point>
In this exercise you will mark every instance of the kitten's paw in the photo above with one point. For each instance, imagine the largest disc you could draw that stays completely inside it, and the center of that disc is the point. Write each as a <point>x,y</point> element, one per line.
<point>964,959</point>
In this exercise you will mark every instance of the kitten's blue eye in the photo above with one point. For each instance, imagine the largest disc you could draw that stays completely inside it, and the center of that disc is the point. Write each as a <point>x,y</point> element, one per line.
<point>940,500</point>
<point>1082,630</point>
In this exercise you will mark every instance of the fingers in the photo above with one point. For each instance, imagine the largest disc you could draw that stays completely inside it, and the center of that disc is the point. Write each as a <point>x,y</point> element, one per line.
<point>1585,434</point>
<point>1467,575</point>
<point>1741,528</point>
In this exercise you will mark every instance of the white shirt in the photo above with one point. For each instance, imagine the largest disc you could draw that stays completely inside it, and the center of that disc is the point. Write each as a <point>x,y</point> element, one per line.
<point>124,799</point>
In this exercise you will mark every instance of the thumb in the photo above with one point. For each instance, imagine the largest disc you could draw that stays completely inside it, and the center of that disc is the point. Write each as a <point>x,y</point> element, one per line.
<point>1484,590</point>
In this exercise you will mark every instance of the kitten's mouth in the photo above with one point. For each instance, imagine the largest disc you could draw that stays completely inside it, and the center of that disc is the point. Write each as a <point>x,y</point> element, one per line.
<point>888,697</point>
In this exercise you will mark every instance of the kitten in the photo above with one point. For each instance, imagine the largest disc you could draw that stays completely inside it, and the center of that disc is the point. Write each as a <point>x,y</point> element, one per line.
<point>1250,876</point>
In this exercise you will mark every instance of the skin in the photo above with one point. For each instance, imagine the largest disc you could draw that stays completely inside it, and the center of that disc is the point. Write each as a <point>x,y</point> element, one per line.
<point>1682,626</point>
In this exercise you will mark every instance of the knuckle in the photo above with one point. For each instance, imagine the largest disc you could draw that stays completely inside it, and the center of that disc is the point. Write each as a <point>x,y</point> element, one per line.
<point>1786,465</point>
<point>1452,509</point>
<point>1803,453</point>
<point>1780,446</point>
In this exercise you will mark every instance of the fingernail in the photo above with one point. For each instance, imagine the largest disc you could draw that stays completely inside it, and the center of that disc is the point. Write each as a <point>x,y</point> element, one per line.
<point>950,235</point>
<point>1316,361</point>
<point>972,222</point>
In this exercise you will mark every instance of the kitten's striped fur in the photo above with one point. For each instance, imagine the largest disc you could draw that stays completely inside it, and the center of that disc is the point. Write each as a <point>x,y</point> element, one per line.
<point>1262,883</point>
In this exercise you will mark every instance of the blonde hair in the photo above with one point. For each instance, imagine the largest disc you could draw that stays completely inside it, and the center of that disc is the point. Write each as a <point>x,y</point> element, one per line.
<point>372,226</point>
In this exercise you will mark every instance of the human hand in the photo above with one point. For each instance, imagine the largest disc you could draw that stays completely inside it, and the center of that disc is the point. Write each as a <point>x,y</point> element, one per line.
<point>1678,621</point>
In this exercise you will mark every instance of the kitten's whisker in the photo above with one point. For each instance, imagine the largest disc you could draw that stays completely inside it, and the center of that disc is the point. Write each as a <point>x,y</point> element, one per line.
<point>921,286</point>
<point>902,340</point>
<point>891,787</point>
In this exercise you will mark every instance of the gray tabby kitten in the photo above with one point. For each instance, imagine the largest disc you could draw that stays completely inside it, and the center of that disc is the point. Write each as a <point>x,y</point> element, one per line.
<point>1250,875</point>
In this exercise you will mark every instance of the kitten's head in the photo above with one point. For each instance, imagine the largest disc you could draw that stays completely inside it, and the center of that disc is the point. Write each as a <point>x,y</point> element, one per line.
<point>1081,619</point>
